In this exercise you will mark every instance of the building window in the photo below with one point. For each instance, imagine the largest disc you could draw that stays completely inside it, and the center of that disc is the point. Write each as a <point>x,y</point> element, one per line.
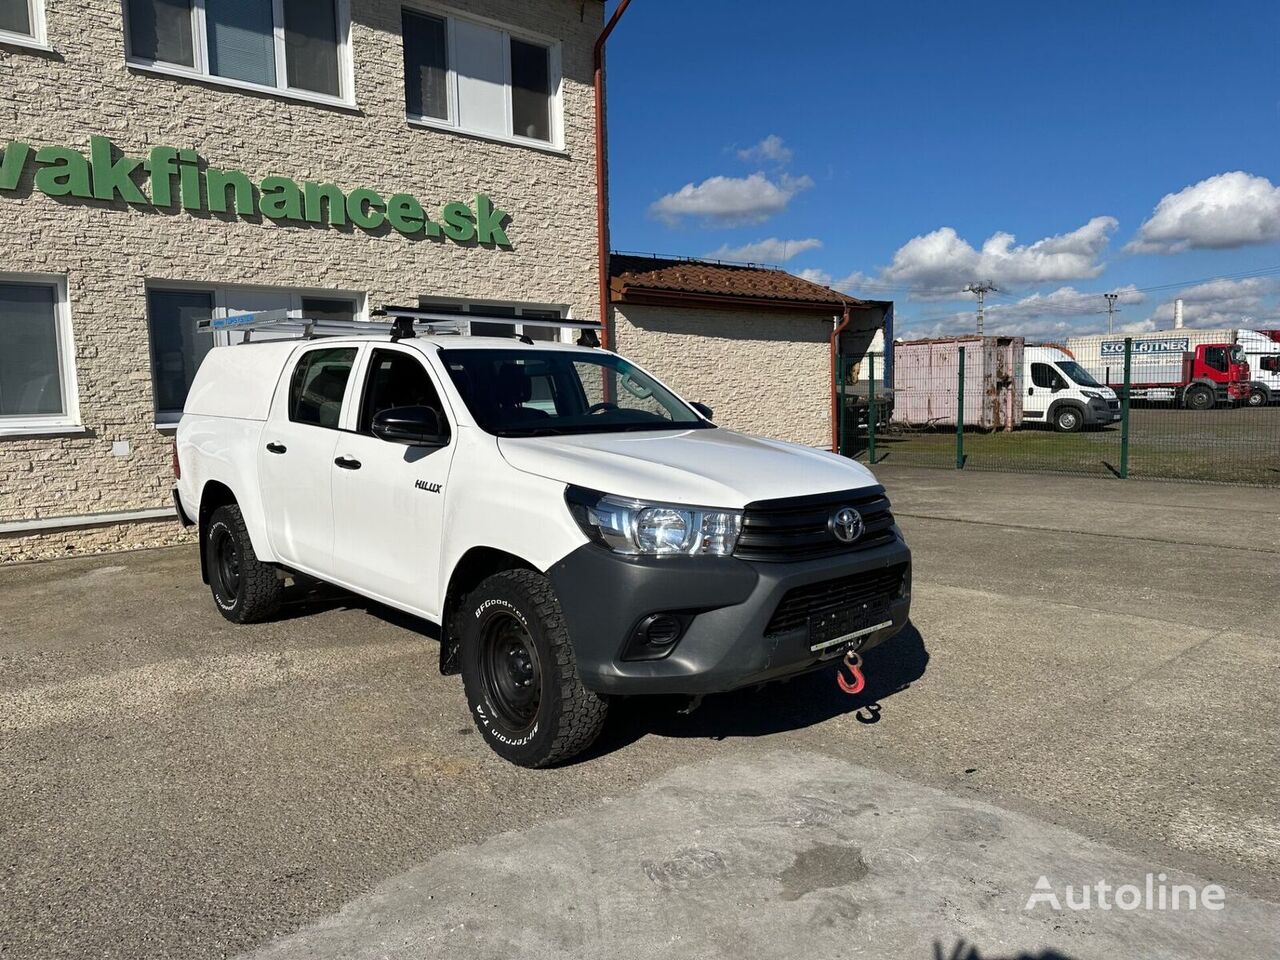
<point>22,22</point>
<point>177,348</point>
<point>481,328</point>
<point>37,363</point>
<point>298,47</point>
<point>481,79</point>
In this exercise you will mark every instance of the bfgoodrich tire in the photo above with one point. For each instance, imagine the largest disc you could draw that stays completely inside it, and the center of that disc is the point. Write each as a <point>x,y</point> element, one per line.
<point>245,590</point>
<point>1067,419</point>
<point>520,675</point>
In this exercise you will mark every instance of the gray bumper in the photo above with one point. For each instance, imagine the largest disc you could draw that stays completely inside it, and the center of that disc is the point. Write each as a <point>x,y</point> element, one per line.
<point>1101,411</point>
<point>730,603</point>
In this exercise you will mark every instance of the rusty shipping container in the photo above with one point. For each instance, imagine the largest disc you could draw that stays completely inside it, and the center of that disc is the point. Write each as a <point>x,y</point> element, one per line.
<point>926,382</point>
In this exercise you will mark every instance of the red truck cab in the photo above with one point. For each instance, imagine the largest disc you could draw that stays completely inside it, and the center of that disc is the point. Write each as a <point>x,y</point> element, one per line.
<point>1221,365</point>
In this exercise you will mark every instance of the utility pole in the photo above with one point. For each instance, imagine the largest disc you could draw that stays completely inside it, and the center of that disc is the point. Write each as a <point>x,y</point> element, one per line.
<point>1111,310</point>
<point>981,288</point>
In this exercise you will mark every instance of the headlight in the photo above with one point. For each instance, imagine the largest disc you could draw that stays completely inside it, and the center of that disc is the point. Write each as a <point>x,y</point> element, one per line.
<point>1092,394</point>
<point>638,528</point>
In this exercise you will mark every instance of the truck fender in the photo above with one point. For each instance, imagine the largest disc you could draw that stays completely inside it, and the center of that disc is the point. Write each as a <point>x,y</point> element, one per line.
<point>1051,415</point>
<point>215,494</point>
<point>476,565</point>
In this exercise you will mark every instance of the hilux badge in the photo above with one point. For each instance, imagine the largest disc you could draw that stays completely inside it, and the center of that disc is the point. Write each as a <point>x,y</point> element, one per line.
<point>846,525</point>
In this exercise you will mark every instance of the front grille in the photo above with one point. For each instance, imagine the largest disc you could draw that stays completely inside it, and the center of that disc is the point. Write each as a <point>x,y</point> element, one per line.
<point>797,528</point>
<point>800,603</point>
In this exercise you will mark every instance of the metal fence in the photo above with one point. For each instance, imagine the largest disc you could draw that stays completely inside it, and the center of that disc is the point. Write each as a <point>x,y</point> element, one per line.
<point>970,406</point>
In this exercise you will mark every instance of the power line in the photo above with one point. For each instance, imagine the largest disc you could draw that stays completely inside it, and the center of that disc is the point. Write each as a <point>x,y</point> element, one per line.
<point>981,288</point>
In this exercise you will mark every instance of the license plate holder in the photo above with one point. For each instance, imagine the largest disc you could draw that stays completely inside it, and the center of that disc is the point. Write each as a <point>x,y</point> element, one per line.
<point>833,628</point>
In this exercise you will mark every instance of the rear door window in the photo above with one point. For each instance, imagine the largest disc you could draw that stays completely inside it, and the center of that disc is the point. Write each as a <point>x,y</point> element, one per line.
<point>318,385</point>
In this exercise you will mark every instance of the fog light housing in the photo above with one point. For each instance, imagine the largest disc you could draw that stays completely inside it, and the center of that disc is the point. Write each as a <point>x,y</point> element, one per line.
<point>656,635</point>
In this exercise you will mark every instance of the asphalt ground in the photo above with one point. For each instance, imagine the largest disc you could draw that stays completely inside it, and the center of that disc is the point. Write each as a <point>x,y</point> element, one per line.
<point>1087,693</point>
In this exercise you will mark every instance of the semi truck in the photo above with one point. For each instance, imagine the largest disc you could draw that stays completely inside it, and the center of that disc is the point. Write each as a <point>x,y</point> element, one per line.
<point>1198,369</point>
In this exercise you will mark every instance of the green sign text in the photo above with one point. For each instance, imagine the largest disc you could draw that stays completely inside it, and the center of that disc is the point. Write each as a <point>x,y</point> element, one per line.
<point>176,177</point>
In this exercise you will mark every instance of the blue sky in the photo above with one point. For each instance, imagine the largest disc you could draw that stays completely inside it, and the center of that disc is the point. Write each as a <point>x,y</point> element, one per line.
<point>883,145</point>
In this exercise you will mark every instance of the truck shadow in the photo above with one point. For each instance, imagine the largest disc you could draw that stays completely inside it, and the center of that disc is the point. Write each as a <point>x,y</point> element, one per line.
<point>777,707</point>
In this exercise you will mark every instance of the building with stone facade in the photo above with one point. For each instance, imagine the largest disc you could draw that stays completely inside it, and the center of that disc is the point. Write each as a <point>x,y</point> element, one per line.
<point>168,160</point>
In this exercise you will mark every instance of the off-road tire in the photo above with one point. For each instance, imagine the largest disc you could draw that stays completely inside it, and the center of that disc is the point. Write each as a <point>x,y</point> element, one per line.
<point>1200,398</point>
<point>1257,398</point>
<point>256,594</point>
<point>1067,419</point>
<point>568,717</point>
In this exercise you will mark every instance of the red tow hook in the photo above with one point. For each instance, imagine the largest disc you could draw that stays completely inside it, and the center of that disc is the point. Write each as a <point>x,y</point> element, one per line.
<point>852,660</point>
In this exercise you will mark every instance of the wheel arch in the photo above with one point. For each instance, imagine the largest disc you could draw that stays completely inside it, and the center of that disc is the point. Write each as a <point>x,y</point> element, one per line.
<point>473,567</point>
<point>1052,415</point>
<point>213,494</point>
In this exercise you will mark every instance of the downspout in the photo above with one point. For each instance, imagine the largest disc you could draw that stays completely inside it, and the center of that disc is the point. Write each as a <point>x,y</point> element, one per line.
<point>602,196</point>
<point>835,409</point>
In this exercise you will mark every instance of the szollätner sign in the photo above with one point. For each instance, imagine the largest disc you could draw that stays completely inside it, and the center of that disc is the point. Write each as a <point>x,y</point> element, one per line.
<point>176,177</point>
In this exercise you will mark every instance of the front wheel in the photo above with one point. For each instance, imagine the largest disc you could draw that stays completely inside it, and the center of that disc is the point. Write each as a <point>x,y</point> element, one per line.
<point>1200,398</point>
<point>1257,397</point>
<point>1068,419</point>
<point>520,674</point>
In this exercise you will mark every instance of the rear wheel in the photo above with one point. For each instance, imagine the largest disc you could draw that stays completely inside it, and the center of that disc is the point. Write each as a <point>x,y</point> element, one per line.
<point>1200,398</point>
<point>244,588</point>
<point>520,674</point>
<point>1257,397</point>
<point>1067,419</point>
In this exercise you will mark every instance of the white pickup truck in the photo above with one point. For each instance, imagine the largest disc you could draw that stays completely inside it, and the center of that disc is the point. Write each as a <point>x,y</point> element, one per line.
<point>577,530</point>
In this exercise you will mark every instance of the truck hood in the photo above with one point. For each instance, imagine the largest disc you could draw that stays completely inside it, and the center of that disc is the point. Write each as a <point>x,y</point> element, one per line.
<point>705,467</point>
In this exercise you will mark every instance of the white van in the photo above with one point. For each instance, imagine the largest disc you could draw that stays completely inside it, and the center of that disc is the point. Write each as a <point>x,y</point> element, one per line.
<point>1058,391</point>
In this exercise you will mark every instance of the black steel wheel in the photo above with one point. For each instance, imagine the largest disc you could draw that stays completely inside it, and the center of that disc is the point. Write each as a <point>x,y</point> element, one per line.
<point>244,588</point>
<point>1200,398</point>
<point>520,673</point>
<point>511,670</point>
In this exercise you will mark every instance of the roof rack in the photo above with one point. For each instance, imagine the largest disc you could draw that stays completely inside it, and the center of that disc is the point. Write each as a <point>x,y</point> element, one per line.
<point>402,323</point>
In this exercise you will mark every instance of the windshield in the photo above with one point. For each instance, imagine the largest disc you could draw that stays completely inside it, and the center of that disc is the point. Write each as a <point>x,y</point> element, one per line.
<point>525,393</point>
<point>1077,373</point>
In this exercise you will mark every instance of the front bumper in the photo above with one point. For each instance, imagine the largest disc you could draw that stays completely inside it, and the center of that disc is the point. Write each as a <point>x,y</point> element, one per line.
<point>604,595</point>
<point>1101,411</point>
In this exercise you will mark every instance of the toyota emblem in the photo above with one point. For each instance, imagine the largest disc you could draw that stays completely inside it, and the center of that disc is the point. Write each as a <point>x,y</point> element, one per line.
<point>846,525</point>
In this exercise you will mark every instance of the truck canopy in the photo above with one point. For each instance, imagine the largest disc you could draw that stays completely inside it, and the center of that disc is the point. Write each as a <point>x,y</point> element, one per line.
<point>239,381</point>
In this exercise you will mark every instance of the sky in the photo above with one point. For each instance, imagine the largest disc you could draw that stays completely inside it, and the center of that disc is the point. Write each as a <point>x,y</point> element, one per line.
<point>900,151</point>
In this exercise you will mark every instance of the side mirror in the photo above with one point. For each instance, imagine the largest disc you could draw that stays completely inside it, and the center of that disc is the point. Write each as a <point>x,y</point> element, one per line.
<point>703,409</point>
<point>415,426</point>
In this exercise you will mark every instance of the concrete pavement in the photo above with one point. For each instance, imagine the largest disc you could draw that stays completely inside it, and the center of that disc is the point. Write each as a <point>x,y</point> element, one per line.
<point>1091,664</point>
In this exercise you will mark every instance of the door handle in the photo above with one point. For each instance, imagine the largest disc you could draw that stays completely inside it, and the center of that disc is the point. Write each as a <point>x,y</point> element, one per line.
<point>1031,391</point>
<point>348,463</point>
<point>276,448</point>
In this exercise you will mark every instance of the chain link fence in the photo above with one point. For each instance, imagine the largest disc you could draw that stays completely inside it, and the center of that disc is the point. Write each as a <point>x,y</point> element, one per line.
<point>995,404</point>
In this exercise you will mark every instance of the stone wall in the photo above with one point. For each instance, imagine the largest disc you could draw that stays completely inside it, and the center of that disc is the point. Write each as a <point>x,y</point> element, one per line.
<point>109,251</point>
<point>763,372</point>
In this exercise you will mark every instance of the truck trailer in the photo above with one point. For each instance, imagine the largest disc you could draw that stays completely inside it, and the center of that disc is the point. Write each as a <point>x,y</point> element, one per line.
<point>1198,369</point>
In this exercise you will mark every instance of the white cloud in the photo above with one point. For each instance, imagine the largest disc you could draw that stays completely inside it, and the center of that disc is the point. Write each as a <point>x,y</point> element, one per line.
<point>937,265</point>
<point>771,148</point>
<point>730,201</point>
<point>815,276</point>
<point>771,250</point>
<point>1222,212</point>
<point>1220,303</point>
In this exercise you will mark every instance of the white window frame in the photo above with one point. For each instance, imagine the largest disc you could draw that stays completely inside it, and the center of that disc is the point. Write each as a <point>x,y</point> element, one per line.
<point>565,334</point>
<point>451,123</point>
<point>37,39</point>
<point>69,419</point>
<point>200,55</point>
<point>168,419</point>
